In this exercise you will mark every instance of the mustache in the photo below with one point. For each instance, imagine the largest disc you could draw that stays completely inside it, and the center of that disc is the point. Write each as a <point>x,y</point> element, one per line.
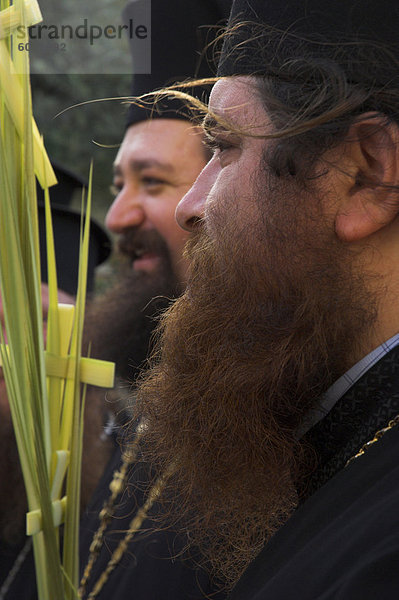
<point>133,243</point>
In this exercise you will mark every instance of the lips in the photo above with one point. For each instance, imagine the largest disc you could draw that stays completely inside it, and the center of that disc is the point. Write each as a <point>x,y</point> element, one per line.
<point>142,251</point>
<point>146,261</point>
<point>144,258</point>
<point>139,252</point>
<point>145,249</point>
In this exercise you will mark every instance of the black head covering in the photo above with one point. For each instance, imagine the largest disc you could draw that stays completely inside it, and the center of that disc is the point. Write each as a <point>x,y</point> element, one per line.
<point>320,26</point>
<point>178,37</point>
<point>66,226</point>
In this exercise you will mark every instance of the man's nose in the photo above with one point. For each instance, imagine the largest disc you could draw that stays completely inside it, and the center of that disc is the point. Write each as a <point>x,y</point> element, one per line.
<point>191,208</point>
<point>125,211</point>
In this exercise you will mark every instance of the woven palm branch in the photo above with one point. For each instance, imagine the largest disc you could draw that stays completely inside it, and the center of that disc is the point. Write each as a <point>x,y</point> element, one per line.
<point>44,378</point>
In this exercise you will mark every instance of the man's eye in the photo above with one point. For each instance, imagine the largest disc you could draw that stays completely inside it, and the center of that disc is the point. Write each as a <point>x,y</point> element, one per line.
<point>217,145</point>
<point>115,189</point>
<point>152,181</point>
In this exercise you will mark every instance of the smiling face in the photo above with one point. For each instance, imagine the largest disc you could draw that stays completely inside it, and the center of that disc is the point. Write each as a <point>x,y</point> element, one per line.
<point>156,165</point>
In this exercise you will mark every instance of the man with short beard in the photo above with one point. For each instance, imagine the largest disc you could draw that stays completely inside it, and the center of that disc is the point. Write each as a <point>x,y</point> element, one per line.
<point>160,156</point>
<point>274,394</point>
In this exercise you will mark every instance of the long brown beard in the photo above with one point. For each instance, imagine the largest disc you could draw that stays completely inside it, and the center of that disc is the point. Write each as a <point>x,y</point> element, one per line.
<point>265,326</point>
<point>119,323</point>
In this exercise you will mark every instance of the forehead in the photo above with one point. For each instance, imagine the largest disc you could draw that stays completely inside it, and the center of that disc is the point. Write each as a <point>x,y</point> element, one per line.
<point>237,100</point>
<point>167,141</point>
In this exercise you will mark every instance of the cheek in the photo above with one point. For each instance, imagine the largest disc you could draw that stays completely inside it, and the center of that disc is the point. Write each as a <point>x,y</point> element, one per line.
<point>176,239</point>
<point>163,218</point>
<point>231,200</point>
<point>161,213</point>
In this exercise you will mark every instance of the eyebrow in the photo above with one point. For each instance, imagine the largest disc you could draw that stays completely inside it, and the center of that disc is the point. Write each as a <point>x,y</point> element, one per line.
<point>212,127</point>
<point>136,166</point>
<point>210,124</point>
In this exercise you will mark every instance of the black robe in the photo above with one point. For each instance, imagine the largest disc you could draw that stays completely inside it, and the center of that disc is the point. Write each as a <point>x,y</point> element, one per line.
<point>151,568</point>
<point>342,542</point>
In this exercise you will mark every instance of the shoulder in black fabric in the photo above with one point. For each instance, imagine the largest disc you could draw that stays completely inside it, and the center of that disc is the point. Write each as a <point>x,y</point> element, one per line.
<point>364,409</point>
<point>342,543</point>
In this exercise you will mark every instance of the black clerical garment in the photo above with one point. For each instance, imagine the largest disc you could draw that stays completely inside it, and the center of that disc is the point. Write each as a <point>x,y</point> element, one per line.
<point>342,543</point>
<point>151,568</point>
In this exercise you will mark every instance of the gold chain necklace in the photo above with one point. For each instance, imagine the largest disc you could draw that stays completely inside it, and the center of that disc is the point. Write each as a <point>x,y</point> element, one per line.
<point>117,486</point>
<point>377,436</point>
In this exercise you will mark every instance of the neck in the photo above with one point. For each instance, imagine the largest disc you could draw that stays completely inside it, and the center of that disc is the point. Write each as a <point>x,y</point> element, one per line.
<point>378,261</point>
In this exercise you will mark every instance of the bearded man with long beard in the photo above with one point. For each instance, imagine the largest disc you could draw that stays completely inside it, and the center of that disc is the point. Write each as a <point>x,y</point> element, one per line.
<point>273,400</point>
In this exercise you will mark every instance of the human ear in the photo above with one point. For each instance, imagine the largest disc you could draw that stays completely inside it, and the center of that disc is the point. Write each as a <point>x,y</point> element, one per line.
<point>371,196</point>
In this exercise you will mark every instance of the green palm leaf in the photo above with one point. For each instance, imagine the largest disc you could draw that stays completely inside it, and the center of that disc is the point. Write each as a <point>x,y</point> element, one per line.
<point>43,384</point>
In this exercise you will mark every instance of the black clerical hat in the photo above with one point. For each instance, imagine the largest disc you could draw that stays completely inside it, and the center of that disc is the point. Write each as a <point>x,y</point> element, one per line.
<point>179,34</point>
<point>66,226</point>
<point>321,26</point>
